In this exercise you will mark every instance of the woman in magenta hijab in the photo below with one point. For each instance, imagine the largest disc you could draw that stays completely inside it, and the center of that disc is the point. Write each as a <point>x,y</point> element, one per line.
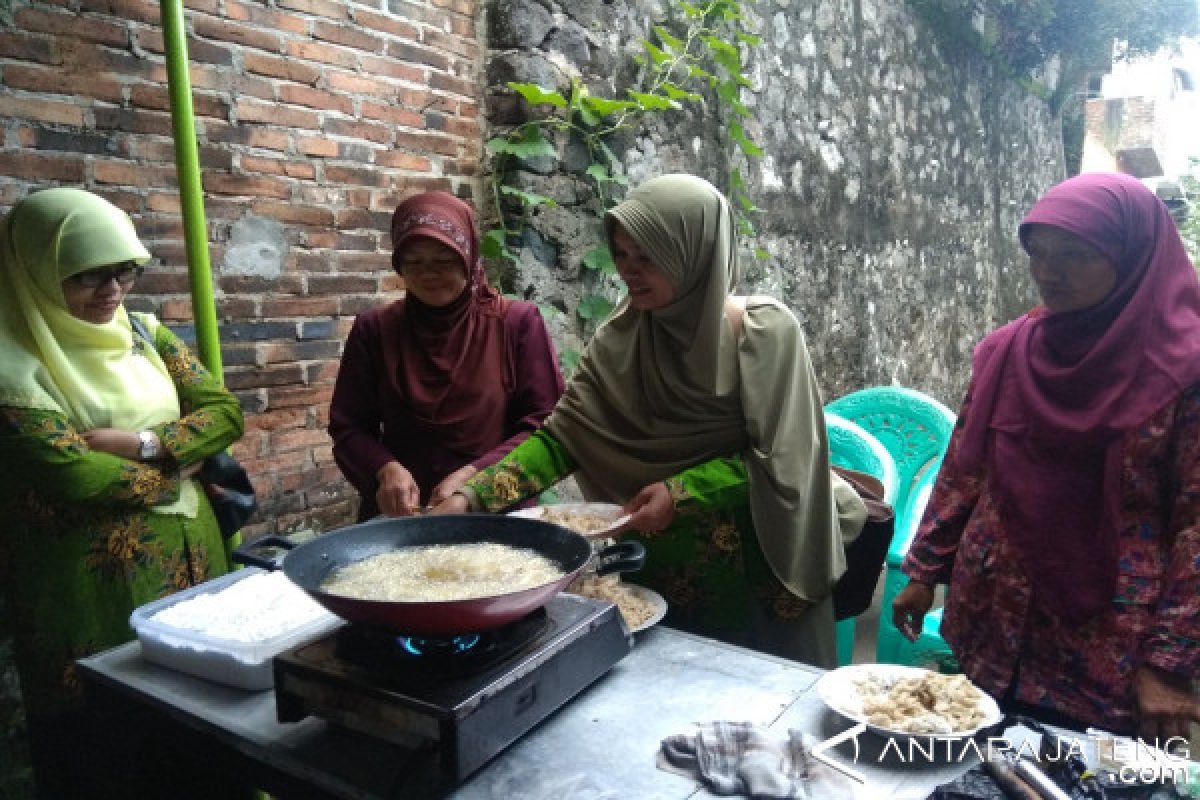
<point>444,381</point>
<point>1066,516</point>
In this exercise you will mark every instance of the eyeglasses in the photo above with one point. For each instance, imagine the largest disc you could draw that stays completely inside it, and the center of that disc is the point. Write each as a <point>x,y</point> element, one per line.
<point>125,275</point>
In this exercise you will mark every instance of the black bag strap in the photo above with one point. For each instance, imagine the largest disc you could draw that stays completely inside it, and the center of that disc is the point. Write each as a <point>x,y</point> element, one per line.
<point>139,328</point>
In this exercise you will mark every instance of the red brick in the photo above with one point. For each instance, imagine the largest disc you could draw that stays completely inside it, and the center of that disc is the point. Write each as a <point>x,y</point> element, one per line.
<point>326,54</point>
<point>425,142</point>
<point>226,31</point>
<point>347,36</point>
<point>340,284</point>
<point>353,129</point>
<point>153,96</point>
<point>42,110</point>
<point>449,83</point>
<point>320,8</point>
<point>464,7</point>
<point>316,374</point>
<point>302,396</point>
<point>129,173</point>
<point>283,420</point>
<point>274,462</point>
<point>415,54</point>
<point>315,98</point>
<point>392,114</point>
<point>291,213</point>
<point>299,306</point>
<point>392,283</point>
<point>353,217</point>
<point>90,29</point>
<point>131,121</point>
<point>466,45</point>
<point>463,27</point>
<point>59,169</point>
<point>237,308</point>
<point>316,147</point>
<point>465,128</point>
<point>320,240</point>
<point>402,160</point>
<point>175,310</point>
<point>207,6</point>
<point>253,111</point>
<point>385,23</point>
<point>53,81</point>
<point>276,67</point>
<point>302,170</point>
<point>358,84</point>
<point>266,17</point>
<point>167,202</point>
<point>145,11</point>
<point>364,262</point>
<point>250,284</point>
<point>390,68</point>
<point>22,47</point>
<point>355,176</point>
<point>270,375</point>
<point>246,185</point>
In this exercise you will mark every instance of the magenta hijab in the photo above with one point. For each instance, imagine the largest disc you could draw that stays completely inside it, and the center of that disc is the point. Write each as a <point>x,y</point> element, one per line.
<point>451,360</point>
<point>1054,393</point>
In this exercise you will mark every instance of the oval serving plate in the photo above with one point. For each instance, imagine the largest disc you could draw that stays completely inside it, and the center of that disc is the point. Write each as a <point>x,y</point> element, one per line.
<point>650,597</point>
<point>838,690</point>
<point>560,514</point>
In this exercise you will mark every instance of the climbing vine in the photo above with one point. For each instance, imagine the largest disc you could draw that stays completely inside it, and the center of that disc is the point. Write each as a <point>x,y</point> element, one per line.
<point>700,60</point>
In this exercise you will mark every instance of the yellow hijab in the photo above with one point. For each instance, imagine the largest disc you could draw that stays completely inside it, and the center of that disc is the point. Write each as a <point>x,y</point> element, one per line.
<point>53,361</point>
<point>658,392</point>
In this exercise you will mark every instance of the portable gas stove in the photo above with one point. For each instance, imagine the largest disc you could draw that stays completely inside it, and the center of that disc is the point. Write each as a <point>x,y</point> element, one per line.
<point>467,698</point>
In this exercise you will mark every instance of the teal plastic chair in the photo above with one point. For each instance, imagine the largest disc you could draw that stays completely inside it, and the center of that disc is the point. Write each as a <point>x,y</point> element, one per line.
<point>850,446</point>
<point>915,429</point>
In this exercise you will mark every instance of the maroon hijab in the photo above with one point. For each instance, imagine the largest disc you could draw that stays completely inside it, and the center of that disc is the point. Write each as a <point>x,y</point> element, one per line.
<point>449,358</point>
<point>1054,393</point>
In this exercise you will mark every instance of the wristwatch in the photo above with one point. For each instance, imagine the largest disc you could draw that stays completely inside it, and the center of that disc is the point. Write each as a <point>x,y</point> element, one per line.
<point>147,446</point>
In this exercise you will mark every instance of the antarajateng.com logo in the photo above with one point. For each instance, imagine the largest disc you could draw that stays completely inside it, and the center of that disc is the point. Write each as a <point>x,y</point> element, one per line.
<point>1130,761</point>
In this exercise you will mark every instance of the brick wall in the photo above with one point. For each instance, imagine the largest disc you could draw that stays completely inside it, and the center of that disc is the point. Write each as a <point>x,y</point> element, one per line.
<point>314,117</point>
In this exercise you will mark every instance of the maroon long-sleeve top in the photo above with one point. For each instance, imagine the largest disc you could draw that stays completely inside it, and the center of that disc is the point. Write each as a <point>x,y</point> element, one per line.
<point>372,422</point>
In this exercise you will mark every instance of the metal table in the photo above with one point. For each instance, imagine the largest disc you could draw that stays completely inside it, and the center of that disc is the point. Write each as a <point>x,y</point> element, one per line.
<point>600,745</point>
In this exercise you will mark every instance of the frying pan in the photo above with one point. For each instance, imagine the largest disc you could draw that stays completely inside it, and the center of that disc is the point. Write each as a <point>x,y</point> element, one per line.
<point>308,565</point>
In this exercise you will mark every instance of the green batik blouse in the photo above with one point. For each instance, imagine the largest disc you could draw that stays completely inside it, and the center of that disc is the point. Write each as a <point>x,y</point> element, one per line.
<point>707,564</point>
<point>80,546</point>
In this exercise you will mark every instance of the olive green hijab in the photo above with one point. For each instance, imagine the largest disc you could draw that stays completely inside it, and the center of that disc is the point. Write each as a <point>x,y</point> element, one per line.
<point>657,392</point>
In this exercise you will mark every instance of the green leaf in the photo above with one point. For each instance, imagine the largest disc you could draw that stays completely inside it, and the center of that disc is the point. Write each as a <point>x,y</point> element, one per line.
<point>656,55</point>
<point>600,257</point>
<point>599,173</point>
<point>528,198</point>
<point>760,254</point>
<point>750,39</point>
<point>675,93</point>
<point>693,11</point>
<point>494,243</point>
<point>589,118</point>
<point>738,134</point>
<point>537,96</point>
<point>594,307</point>
<point>528,141</point>
<point>666,38</point>
<point>653,102</point>
<point>548,311</point>
<point>568,359</point>
<point>604,107</point>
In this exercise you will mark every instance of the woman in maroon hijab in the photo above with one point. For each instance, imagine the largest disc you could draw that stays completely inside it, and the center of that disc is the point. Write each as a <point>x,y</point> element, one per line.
<point>443,382</point>
<point>1066,516</point>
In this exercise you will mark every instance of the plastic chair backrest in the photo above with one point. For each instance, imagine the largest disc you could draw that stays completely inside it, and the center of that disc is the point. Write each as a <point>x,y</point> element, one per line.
<point>852,447</point>
<point>914,427</point>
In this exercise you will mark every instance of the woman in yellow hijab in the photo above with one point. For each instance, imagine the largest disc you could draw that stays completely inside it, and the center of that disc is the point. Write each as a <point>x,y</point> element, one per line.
<point>700,413</point>
<point>100,432</point>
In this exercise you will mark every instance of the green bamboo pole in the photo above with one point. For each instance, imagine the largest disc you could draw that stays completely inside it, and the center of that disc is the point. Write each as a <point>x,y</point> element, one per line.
<point>191,195</point>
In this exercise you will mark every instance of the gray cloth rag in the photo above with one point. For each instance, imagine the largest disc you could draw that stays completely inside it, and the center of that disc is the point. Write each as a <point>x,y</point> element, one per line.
<point>738,758</point>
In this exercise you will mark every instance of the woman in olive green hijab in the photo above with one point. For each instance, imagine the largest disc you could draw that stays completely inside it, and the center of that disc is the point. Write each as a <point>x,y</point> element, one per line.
<point>699,412</point>
<point>100,431</point>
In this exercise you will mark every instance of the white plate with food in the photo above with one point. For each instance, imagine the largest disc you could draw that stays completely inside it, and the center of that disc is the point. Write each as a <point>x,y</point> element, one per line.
<point>642,608</point>
<point>586,519</point>
<point>900,701</point>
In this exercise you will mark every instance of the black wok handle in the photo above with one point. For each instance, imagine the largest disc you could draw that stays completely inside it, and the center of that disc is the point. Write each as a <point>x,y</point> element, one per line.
<point>628,556</point>
<point>247,553</point>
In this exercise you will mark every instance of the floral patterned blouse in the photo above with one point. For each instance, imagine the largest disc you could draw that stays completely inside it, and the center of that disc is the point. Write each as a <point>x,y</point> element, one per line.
<point>80,546</point>
<point>707,564</point>
<point>994,622</point>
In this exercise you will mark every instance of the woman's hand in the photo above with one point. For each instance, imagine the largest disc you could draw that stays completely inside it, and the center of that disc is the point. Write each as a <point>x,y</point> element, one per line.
<point>451,484</point>
<point>910,607</point>
<point>651,509</point>
<point>1166,704</point>
<point>454,504</point>
<point>398,494</point>
<point>114,441</point>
